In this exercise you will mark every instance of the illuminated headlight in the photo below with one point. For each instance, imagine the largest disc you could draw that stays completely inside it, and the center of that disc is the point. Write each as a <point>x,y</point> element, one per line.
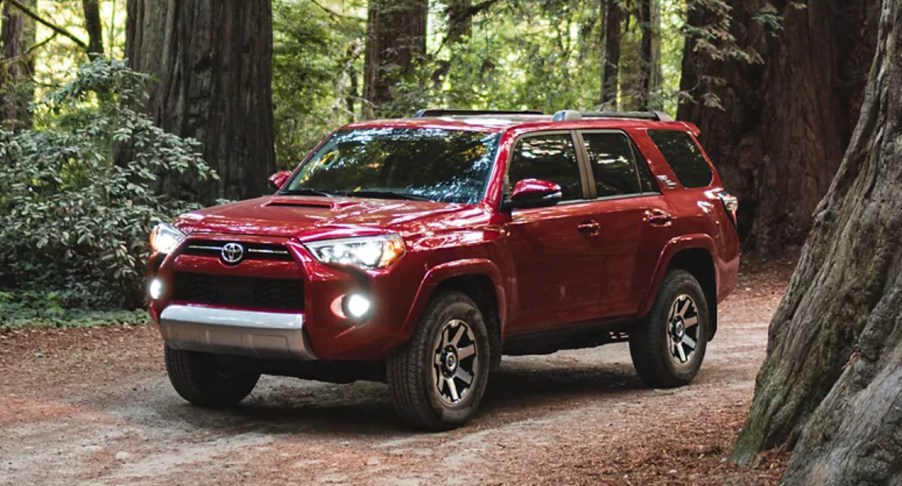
<point>357,306</point>
<point>367,252</point>
<point>165,238</point>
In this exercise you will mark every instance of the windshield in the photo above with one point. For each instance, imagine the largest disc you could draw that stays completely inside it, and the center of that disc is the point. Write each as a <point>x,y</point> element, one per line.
<point>406,163</point>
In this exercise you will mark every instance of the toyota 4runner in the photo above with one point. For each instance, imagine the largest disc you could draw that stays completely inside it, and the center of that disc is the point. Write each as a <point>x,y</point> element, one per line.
<point>418,251</point>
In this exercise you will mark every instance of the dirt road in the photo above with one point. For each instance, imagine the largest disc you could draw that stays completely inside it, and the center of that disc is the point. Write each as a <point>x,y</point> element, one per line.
<point>95,406</point>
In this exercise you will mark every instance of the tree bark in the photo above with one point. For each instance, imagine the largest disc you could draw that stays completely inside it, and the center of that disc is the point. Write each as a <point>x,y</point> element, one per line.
<point>784,123</point>
<point>832,382</point>
<point>17,35</point>
<point>94,27</point>
<point>395,38</point>
<point>610,61</point>
<point>213,60</point>
<point>648,97</point>
<point>460,21</point>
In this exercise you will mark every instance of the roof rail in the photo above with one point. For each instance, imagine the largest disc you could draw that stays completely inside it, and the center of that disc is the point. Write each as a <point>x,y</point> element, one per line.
<point>571,115</point>
<point>443,112</point>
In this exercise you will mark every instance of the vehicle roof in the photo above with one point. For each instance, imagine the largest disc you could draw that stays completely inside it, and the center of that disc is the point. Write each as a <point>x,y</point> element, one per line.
<point>498,123</point>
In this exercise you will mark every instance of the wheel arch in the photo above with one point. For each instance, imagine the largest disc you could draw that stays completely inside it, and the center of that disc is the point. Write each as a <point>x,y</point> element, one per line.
<point>694,254</point>
<point>480,280</point>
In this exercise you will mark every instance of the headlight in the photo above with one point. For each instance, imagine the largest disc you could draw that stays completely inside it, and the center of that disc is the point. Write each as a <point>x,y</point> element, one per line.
<point>367,252</point>
<point>165,238</point>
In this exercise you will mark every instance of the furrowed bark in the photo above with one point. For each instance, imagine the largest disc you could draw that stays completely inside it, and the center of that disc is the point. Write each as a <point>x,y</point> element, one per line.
<point>831,385</point>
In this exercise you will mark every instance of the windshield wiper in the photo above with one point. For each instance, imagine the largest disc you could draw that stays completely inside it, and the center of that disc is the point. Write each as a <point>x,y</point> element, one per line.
<point>306,192</point>
<point>387,195</point>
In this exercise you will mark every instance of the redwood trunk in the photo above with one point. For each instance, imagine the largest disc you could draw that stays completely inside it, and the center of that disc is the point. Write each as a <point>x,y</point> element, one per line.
<point>610,63</point>
<point>17,35</point>
<point>94,27</point>
<point>832,381</point>
<point>213,60</point>
<point>395,38</point>
<point>648,97</point>
<point>786,123</point>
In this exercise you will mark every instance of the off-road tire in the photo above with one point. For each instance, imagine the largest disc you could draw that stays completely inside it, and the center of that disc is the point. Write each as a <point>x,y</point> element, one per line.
<point>650,341</point>
<point>409,371</point>
<point>199,379</point>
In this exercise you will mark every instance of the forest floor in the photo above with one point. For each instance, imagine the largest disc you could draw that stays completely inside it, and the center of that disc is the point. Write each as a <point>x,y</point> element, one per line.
<point>94,406</point>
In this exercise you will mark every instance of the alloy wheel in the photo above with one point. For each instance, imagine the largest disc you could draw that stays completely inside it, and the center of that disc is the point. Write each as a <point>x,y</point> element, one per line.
<point>682,329</point>
<point>455,361</point>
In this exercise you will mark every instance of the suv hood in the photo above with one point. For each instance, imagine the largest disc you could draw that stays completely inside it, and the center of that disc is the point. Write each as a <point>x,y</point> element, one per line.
<point>308,218</point>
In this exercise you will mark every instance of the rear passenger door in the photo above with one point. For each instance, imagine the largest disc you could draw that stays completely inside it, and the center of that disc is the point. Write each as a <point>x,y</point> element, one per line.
<point>635,220</point>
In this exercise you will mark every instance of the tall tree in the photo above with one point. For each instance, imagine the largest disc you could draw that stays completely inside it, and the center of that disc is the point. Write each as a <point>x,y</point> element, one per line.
<point>213,60</point>
<point>94,27</point>
<point>17,36</point>
<point>784,119</point>
<point>395,38</point>
<point>610,60</point>
<point>832,380</point>
<point>649,96</point>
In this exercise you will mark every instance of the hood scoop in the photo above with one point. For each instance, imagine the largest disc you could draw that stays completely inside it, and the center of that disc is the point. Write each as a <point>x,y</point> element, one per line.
<point>300,202</point>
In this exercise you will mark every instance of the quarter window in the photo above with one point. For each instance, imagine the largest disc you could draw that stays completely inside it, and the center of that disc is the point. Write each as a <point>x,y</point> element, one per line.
<point>613,164</point>
<point>548,157</point>
<point>684,157</point>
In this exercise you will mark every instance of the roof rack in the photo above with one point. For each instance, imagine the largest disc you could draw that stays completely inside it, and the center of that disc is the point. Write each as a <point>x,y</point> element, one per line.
<point>572,115</point>
<point>433,112</point>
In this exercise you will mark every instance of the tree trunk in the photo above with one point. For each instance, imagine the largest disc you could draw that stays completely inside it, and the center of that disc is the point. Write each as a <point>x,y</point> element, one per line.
<point>17,35</point>
<point>832,382</point>
<point>784,124</point>
<point>648,97</point>
<point>395,38</point>
<point>213,60</point>
<point>610,61</point>
<point>94,27</point>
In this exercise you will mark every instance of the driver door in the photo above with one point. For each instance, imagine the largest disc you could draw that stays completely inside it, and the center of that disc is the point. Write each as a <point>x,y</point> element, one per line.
<point>555,251</point>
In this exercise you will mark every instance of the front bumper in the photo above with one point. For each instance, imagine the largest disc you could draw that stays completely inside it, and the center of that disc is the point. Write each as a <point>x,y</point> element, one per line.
<point>238,332</point>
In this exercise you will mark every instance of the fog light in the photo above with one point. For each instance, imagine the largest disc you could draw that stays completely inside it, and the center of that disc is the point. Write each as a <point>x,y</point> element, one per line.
<point>357,306</point>
<point>155,289</point>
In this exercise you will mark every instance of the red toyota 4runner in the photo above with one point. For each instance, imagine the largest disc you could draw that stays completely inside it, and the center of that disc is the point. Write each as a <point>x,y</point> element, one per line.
<point>418,251</point>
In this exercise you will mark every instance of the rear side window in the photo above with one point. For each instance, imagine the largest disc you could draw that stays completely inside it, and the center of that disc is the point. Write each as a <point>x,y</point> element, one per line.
<point>613,164</point>
<point>547,157</point>
<point>684,157</point>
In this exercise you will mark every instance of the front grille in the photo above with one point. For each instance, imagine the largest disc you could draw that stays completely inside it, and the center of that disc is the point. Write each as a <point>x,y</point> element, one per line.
<point>264,293</point>
<point>255,251</point>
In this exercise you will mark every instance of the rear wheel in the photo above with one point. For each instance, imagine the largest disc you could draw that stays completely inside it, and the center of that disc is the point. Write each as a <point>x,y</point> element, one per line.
<point>669,345</point>
<point>438,378</point>
<point>201,380</point>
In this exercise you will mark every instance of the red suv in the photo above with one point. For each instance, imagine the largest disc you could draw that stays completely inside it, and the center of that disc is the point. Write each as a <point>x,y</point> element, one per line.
<point>418,251</point>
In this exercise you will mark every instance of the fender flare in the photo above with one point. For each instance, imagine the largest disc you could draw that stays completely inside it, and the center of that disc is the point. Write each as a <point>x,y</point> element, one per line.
<point>458,268</point>
<point>674,246</point>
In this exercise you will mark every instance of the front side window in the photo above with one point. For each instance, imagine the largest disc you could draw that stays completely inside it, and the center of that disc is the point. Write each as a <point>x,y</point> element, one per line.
<point>613,164</point>
<point>550,158</point>
<point>684,157</point>
<point>407,163</point>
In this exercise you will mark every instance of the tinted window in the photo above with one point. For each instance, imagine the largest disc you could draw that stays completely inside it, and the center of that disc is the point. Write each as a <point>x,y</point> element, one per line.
<point>613,164</point>
<point>684,157</point>
<point>550,158</point>
<point>441,165</point>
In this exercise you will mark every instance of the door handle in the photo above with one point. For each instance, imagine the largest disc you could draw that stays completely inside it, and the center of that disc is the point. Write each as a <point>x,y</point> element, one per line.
<point>657,217</point>
<point>589,228</point>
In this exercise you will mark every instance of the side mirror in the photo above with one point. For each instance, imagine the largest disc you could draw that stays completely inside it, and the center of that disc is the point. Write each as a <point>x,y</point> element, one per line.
<point>278,179</point>
<point>534,193</point>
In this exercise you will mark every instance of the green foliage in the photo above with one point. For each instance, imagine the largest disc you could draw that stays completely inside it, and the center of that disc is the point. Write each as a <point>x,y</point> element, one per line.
<point>313,53</point>
<point>77,193</point>
<point>48,309</point>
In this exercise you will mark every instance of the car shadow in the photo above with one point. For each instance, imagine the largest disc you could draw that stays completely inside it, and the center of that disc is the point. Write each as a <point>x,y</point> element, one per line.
<point>285,406</point>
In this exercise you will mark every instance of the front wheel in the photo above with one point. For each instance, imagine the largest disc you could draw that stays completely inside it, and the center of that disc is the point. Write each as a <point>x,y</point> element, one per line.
<point>201,380</point>
<point>438,378</point>
<point>669,344</point>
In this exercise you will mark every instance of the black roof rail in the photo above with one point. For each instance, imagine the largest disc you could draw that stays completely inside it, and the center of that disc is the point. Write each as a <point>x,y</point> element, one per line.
<point>432,112</point>
<point>570,115</point>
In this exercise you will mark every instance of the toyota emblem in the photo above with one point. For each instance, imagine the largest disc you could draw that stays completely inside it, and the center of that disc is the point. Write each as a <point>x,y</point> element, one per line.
<point>232,253</point>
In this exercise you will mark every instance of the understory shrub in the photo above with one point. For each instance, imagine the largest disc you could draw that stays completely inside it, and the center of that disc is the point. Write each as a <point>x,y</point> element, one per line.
<point>78,194</point>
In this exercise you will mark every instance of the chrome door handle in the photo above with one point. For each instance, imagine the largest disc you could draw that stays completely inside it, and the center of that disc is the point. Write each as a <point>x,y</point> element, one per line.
<point>658,218</point>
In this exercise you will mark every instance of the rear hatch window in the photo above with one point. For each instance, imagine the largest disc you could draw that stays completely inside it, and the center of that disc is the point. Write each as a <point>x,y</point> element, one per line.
<point>684,157</point>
